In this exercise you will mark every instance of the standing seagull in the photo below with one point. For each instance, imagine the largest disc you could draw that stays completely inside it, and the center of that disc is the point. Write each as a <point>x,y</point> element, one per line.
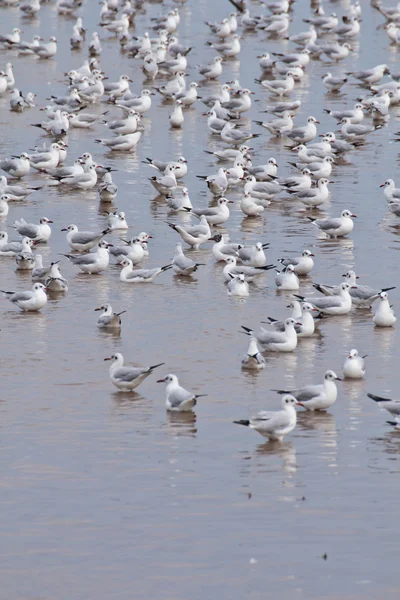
<point>127,379</point>
<point>30,300</point>
<point>275,425</point>
<point>316,397</point>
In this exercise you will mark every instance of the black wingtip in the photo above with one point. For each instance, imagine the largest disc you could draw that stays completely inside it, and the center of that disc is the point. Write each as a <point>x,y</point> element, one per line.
<point>378,398</point>
<point>155,366</point>
<point>244,422</point>
<point>394,423</point>
<point>280,391</point>
<point>247,330</point>
<point>388,289</point>
<point>299,297</point>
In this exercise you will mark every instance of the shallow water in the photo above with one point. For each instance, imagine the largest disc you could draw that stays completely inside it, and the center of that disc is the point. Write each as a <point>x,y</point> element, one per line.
<point>105,494</point>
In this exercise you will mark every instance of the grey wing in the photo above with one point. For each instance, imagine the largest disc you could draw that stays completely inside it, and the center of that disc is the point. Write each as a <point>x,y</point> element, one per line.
<point>183,262</point>
<point>83,237</point>
<point>196,230</point>
<point>40,157</point>
<point>325,302</point>
<point>124,250</point>
<point>145,273</point>
<point>278,325</point>
<point>178,396</point>
<point>296,132</point>
<point>308,194</point>
<point>363,292</point>
<point>307,393</point>
<point>271,337</point>
<point>21,296</point>
<point>129,373</point>
<point>358,129</point>
<point>6,163</point>
<point>272,421</point>
<point>86,259</point>
<point>28,230</point>
<point>208,212</point>
<point>245,253</point>
<point>327,224</point>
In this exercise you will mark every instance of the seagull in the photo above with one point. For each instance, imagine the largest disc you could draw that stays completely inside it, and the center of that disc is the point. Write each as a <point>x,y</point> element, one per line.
<point>302,313</point>
<point>121,143</point>
<point>384,315</point>
<point>357,131</point>
<point>336,227</point>
<point>354,366</point>
<point>177,399</point>
<point>213,70</point>
<point>331,305</point>
<point>55,282</point>
<point>109,319</point>
<point>117,220</point>
<point>16,166</point>
<point>167,182</point>
<point>390,191</point>
<point>250,207</point>
<point>222,248</point>
<point>217,184</point>
<point>46,50</point>
<point>194,235</point>
<point>216,215</point>
<point>287,279</point>
<point>28,301</point>
<point>316,397</point>
<point>38,233</point>
<point>82,241</point>
<point>370,76</point>
<point>107,189</point>
<point>302,264</point>
<point>232,135</point>
<point>93,262</point>
<point>180,166</point>
<point>4,200</point>
<point>253,256</point>
<point>362,295</point>
<point>302,135</point>
<point>333,84</point>
<point>14,248</point>
<point>274,425</point>
<point>238,286</point>
<point>183,265</point>
<point>134,250</point>
<point>253,360</point>
<point>129,275</point>
<point>277,341</point>
<point>127,379</point>
<point>39,272</point>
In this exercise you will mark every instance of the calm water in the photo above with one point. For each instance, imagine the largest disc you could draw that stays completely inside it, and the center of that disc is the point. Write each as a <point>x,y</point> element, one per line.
<point>103,494</point>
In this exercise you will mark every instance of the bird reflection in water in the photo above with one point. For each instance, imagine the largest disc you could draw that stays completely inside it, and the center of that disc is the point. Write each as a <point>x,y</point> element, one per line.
<point>182,424</point>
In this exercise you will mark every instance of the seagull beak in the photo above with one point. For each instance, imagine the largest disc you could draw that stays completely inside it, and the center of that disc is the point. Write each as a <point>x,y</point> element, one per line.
<point>64,229</point>
<point>160,381</point>
<point>339,378</point>
<point>50,221</point>
<point>354,216</point>
<point>96,309</point>
<point>108,358</point>
<point>382,184</point>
